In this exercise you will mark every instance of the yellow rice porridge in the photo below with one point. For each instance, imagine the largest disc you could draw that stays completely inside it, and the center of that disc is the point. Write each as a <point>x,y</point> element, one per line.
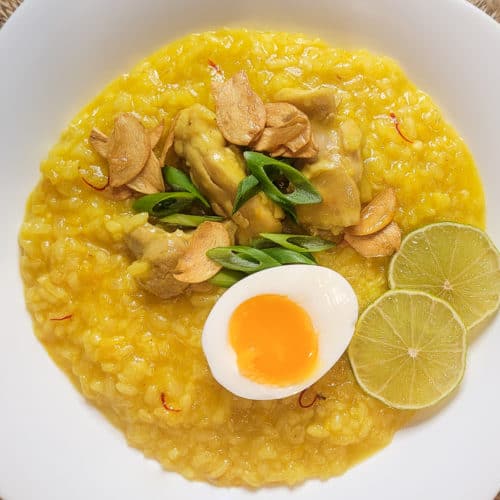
<point>126,349</point>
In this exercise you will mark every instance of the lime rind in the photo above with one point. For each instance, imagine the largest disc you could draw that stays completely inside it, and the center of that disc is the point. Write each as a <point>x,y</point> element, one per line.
<point>477,297</point>
<point>400,351</point>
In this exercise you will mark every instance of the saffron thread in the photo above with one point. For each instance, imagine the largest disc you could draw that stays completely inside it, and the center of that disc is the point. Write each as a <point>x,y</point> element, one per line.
<point>95,187</point>
<point>395,120</point>
<point>62,318</point>
<point>216,68</point>
<point>165,405</point>
<point>213,65</point>
<point>317,397</point>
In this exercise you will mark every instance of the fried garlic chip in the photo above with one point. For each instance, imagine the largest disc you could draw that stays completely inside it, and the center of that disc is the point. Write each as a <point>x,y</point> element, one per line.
<point>287,132</point>
<point>240,112</point>
<point>155,135</point>
<point>133,166</point>
<point>194,266</point>
<point>169,140</point>
<point>129,147</point>
<point>376,215</point>
<point>118,193</point>
<point>99,142</point>
<point>150,179</point>
<point>380,244</point>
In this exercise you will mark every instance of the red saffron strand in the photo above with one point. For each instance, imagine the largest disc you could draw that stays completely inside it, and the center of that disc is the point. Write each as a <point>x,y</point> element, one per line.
<point>94,187</point>
<point>165,405</point>
<point>68,316</point>
<point>215,67</point>
<point>395,120</point>
<point>317,397</point>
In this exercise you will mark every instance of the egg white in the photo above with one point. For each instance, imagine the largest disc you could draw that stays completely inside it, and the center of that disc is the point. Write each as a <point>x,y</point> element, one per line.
<point>324,294</point>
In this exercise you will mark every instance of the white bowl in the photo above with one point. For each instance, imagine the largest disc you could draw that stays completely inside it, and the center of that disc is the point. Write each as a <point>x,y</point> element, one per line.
<point>55,56</point>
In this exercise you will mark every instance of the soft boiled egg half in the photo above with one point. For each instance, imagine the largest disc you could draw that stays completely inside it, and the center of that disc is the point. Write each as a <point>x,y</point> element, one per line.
<point>276,332</point>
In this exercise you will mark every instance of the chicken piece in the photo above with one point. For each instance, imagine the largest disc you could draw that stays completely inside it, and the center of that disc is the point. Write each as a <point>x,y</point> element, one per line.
<point>334,175</point>
<point>341,205</point>
<point>338,166</point>
<point>351,137</point>
<point>161,251</point>
<point>332,146</point>
<point>216,169</point>
<point>317,103</point>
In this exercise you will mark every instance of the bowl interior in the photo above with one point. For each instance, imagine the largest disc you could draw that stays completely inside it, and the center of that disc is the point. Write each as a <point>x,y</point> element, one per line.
<point>49,433</point>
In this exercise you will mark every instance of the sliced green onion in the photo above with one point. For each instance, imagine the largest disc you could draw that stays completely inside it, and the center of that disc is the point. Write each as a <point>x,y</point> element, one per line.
<point>291,212</point>
<point>286,256</point>
<point>179,181</point>
<point>162,204</point>
<point>247,189</point>
<point>262,243</point>
<point>242,258</point>
<point>262,166</point>
<point>186,220</point>
<point>226,278</point>
<point>299,242</point>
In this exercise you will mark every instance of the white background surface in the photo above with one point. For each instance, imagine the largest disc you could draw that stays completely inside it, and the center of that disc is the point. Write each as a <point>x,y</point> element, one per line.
<point>54,57</point>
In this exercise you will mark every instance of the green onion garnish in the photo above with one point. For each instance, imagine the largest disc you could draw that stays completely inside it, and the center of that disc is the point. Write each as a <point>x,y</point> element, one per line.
<point>263,168</point>
<point>242,258</point>
<point>179,181</point>
<point>286,256</point>
<point>162,204</point>
<point>186,220</point>
<point>247,189</point>
<point>226,278</point>
<point>298,242</point>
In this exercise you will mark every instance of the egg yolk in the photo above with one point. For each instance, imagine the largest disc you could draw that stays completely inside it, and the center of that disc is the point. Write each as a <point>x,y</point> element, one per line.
<point>274,340</point>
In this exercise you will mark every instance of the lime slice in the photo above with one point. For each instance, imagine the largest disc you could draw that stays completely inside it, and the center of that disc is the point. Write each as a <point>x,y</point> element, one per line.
<point>455,262</point>
<point>408,349</point>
